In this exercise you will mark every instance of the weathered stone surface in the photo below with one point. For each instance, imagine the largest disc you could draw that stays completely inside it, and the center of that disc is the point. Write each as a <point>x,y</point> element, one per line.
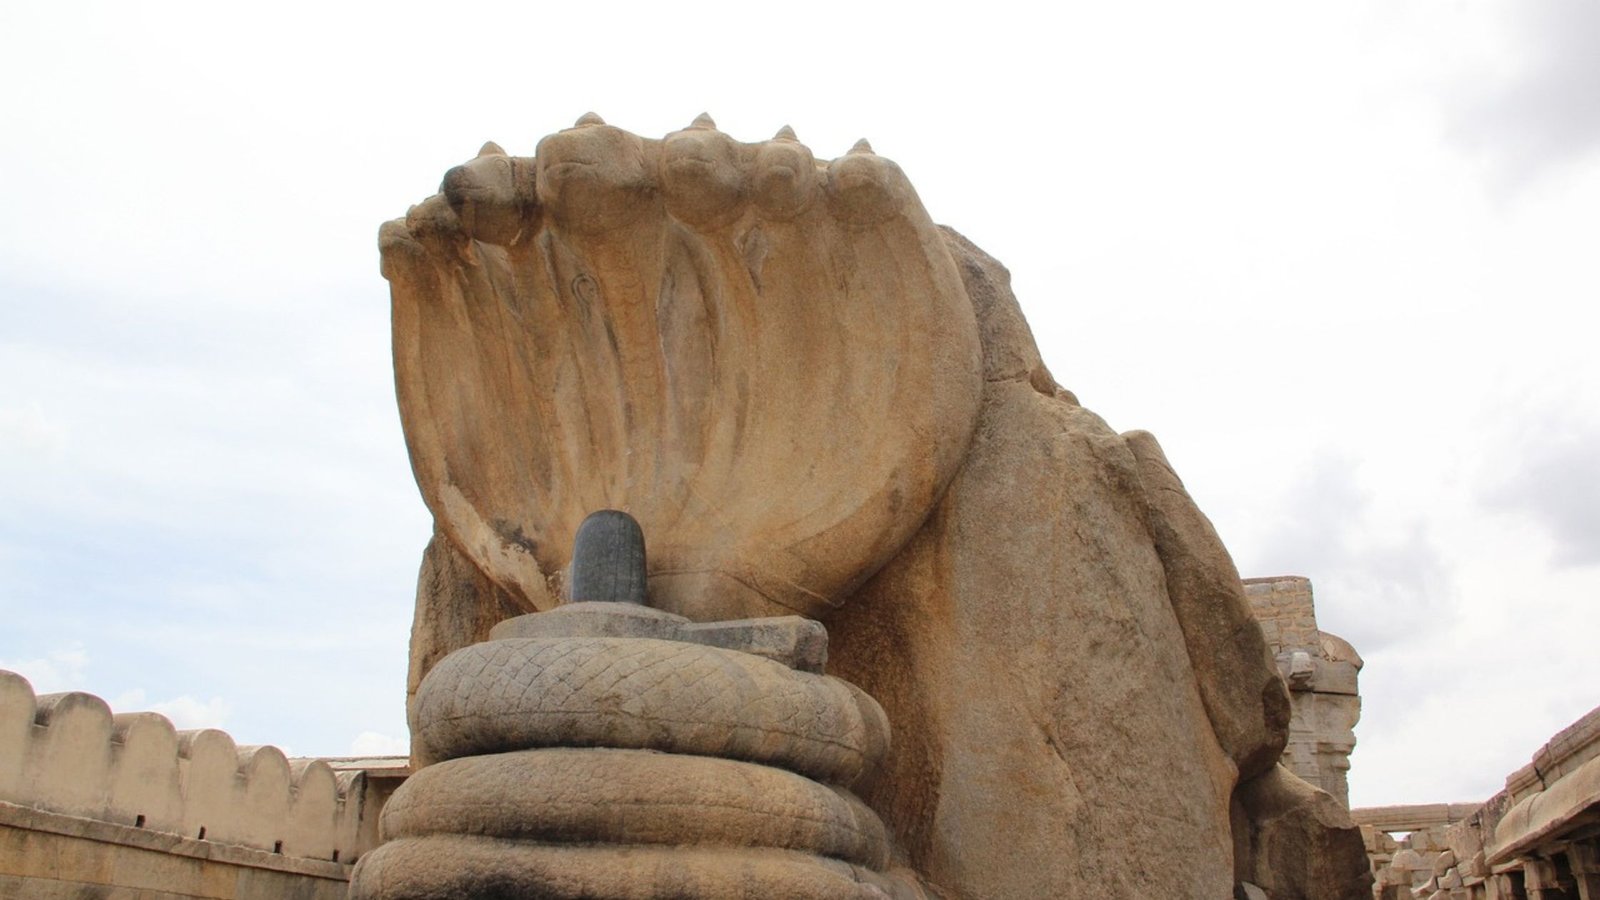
<point>637,797</point>
<point>640,693</point>
<point>769,363</point>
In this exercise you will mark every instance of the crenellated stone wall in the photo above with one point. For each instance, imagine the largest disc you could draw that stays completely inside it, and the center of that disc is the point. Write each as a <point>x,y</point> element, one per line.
<point>1321,670</point>
<point>126,803</point>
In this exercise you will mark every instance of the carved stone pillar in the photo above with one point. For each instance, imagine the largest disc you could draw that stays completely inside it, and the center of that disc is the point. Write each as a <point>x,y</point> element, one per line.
<point>1543,881</point>
<point>1585,861</point>
<point>1507,886</point>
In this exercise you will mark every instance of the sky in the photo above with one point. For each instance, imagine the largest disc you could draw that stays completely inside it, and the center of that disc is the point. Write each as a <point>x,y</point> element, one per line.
<point>1340,258</point>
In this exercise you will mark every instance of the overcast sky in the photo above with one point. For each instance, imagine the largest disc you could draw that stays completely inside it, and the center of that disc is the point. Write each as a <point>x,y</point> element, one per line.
<point>1340,257</point>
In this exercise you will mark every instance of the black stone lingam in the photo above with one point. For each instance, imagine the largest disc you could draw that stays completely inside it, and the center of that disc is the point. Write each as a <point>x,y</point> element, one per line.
<point>608,559</point>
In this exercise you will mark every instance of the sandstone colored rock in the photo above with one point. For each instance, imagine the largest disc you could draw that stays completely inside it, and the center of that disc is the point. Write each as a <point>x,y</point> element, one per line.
<point>814,401</point>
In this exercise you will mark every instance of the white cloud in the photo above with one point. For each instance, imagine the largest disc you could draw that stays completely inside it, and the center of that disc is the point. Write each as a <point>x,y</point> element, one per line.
<point>187,712</point>
<point>1539,110</point>
<point>1551,474</point>
<point>1383,579</point>
<point>60,670</point>
<point>25,427</point>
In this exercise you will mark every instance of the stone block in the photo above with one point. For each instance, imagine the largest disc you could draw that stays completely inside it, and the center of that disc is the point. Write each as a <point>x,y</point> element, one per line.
<point>796,642</point>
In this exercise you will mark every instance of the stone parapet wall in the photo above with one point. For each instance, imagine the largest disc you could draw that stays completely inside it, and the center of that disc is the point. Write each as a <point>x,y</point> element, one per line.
<point>88,795</point>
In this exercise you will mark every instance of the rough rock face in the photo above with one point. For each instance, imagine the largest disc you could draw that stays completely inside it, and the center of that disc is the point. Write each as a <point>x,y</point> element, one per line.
<point>1077,683</point>
<point>814,401</point>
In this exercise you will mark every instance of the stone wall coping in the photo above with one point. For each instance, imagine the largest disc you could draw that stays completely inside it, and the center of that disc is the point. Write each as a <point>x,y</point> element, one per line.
<point>374,766</point>
<point>1413,817</point>
<point>1294,581</point>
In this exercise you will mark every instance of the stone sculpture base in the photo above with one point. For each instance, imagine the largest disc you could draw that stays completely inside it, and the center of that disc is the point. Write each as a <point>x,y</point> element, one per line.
<point>613,750</point>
